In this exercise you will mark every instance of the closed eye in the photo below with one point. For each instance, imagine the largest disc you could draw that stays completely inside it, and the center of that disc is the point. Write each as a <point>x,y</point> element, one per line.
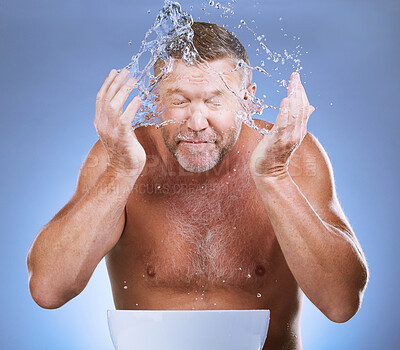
<point>179,103</point>
<point>214,102</point>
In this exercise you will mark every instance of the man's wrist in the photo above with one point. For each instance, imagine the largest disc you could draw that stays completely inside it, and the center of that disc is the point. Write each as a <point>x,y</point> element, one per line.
<point>273,180</point>
<point>122,174</point>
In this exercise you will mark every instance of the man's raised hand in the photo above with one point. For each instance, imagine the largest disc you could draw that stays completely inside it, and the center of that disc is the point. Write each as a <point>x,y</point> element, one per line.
<point>270,158</point>
<point>114,126</point>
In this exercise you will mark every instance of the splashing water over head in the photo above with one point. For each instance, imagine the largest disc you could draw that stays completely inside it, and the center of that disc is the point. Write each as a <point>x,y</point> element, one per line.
<point>170,26</point>
<point>175,37</point>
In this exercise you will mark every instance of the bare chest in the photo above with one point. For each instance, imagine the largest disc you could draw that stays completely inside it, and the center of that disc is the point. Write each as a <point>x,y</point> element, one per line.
<point>200,235</point>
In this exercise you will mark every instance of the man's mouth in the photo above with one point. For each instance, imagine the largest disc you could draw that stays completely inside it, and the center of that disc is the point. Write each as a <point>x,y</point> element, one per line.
<point>196,141</point>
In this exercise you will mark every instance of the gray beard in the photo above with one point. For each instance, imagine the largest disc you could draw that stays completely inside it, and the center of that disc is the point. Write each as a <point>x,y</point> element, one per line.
<point>198,162</point>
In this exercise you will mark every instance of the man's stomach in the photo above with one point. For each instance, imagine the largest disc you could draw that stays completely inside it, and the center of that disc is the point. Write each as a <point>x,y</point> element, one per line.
<point>196,298</point>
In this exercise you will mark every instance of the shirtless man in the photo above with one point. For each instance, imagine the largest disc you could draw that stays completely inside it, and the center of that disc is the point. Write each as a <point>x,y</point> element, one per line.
<point>205,213</point>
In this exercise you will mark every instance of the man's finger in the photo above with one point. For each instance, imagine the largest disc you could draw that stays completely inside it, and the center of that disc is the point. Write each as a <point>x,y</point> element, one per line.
<point>107,82</point>
<point>295,101</point>
<point>303,103</point>
<point>124,91</point>
<point>130,111</point>
<point>291,85</point>
<point>302,90</point>
<point>116,84</point>
<point>311,109</point>
<point>282,117</point>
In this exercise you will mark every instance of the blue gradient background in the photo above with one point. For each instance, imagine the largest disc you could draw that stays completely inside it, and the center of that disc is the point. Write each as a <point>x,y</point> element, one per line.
<point>54,57</point>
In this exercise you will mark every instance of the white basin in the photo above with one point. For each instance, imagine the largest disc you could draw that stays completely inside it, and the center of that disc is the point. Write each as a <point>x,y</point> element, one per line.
<point>188,330</point>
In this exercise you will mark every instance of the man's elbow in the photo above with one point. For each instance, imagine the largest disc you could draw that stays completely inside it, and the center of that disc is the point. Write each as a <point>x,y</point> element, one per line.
<point>345,309</point>
<point>348,306</point>
<point>344,313</point>
<point>45,297</point>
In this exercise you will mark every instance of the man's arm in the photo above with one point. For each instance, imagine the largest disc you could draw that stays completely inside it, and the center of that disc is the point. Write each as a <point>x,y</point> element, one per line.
<point>66,251</point>
<point>316,239</point>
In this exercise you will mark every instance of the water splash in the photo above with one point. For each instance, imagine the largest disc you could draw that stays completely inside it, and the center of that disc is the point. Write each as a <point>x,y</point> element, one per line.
<point>171,30</point>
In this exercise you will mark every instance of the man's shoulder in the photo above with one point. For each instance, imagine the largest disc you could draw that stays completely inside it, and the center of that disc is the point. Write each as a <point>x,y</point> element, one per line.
<point>251,135</point>
<point>262,124</point>
<point>310,162</point>
<point>311,147</point>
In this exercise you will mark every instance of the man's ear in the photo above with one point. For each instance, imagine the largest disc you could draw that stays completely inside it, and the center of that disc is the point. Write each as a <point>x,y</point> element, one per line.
<point>250,91</point>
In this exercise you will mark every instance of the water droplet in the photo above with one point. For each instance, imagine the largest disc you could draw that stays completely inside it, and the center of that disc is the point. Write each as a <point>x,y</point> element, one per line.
<point>258,295</point>
<point>125,287</point>
<point>248,275</point>
<point>137,304</point>
<point>148,11</point>
<point>280,18</point>
<point>130,43</point>
<point>331,104</point>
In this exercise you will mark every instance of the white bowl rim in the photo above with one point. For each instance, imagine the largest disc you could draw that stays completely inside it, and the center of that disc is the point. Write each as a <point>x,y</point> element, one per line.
<point>168,311</point>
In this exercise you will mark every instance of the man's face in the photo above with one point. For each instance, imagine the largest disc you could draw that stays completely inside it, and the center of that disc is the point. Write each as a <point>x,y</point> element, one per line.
<point>202,111</point>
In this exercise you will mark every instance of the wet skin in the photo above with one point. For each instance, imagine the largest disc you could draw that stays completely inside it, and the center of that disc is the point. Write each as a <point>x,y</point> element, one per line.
<point>163,269</point>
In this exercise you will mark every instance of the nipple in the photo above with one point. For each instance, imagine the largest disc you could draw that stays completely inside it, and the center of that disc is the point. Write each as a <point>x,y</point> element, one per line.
<point>150,271</point>
<point>260,270</point>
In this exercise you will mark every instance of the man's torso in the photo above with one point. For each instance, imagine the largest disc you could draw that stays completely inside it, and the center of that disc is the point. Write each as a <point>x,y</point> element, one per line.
<point>191,244</point>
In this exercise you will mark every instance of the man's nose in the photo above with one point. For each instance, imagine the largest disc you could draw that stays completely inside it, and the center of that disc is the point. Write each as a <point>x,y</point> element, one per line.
<point>198,118</point>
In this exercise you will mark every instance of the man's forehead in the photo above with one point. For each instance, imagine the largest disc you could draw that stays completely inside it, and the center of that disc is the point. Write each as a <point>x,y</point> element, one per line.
<point>178,90</point>
<point>213,74</point>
